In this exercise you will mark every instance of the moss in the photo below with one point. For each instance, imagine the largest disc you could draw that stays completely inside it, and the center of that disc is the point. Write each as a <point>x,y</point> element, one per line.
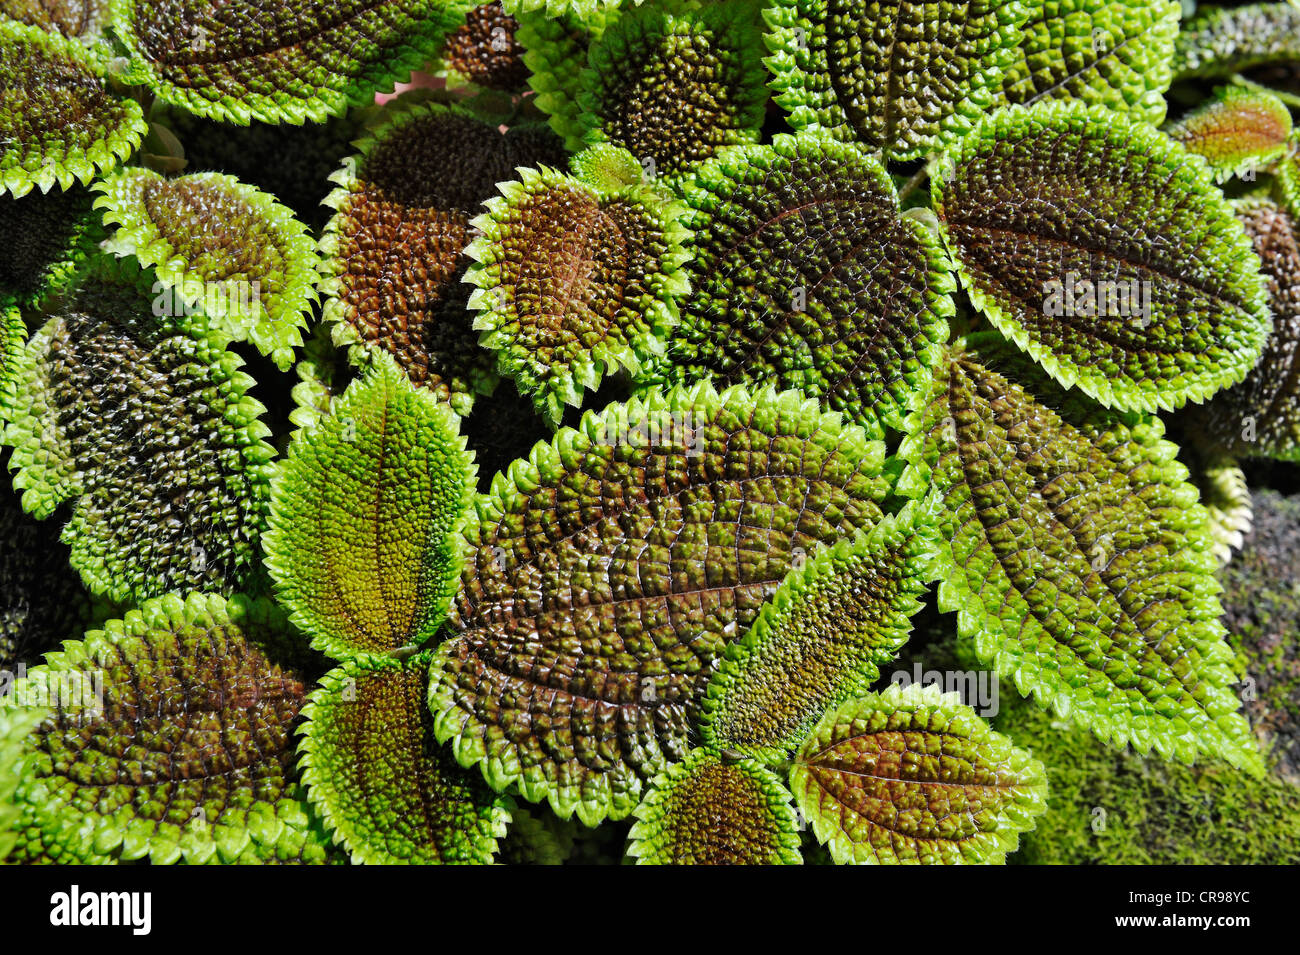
<point>1261,603</point>
<point>1117,808</point>
<point>1109,807</point>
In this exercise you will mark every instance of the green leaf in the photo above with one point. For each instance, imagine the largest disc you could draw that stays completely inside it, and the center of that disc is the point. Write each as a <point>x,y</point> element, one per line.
<point>363,512</point>
<point>555,52</point>
<point>608,571</point>
<point>42,458</point>
<point>1103,249</point>
<point>579,10</point>
<point>322,379</point>
<point>378,777</point>
<point>393,250</point>
<point>1261,416</point>
<point>278,62</point>
<point>836,619</point>
<point>1239,131</point>
<point>16,725</point>
<point>706,812</point>
<point>216,242</point>
<point>483,51</point>
<point>911,775</point>
<point>1288,176</point>
<point>48,236</point>
<point>148,425</point>
<point>607,168</point>
<point>673,88</point>
<point>1226,497</point>
<point>1222,41</point>
<point>805,274</point>
<point>13,339</point>
<point>167,735</point>
<point>59,124</point>
<point>541,839</point>
<point>574,284</point>
<point>75,19</point>
<point>1110,52</point>
<point>895,75</point>
<point>1077,557</point>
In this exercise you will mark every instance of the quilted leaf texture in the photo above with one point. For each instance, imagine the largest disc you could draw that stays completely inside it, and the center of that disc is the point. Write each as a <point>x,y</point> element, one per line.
<point>168,735</point>
<point>218,242</point>
<point>1261,416</point>
<point>608,571</point>
<point>48,236</point>
<point>283,62</point>
<point>148,427</point>
<point>555,52</point>
<point>673,88</point>
<point>574,284</point>
<point>1104,250</point>
<point>820,640</point>
<point>606,167</point>
<point>380,780</point>
<point>703,811</point>
<point>1226,496</point>
<point>892,74</point>
<point>1240,130</point>
<point>394,249</point>
<point>1222,41</point>
<point>364,510</point>
<point>13,339</point>
<point>1114,53</point>
<point>73,18</point>
<point>59,123</point>
<point>577,10</point>
<point>1287,180</point>
<point>911,775</point>
<point>483,51</point>
<point>803,273</point>
<point>1077,558</point>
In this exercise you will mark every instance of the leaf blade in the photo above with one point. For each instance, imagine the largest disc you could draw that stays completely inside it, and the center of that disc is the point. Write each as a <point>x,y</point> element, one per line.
<point>378,778</point>
<point>363,513</point>
<point>820,640</point>
<point>58,121</point>
<point>804,273</point>
<point>572,284</point>
<point>1077,558</point>
<point>101,385</point>
<point>167,735</point>
<point>607,571</point>
<point>1110,256</point>
<point>241,61</point>
<point>1113,53</point>
<point>707,812</point>
<point>914,776</point>
<point>839,65</point>
<point>217,242</point>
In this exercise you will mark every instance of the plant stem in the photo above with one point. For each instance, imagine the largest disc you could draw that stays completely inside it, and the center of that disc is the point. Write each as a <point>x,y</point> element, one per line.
<point>911,185</point>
